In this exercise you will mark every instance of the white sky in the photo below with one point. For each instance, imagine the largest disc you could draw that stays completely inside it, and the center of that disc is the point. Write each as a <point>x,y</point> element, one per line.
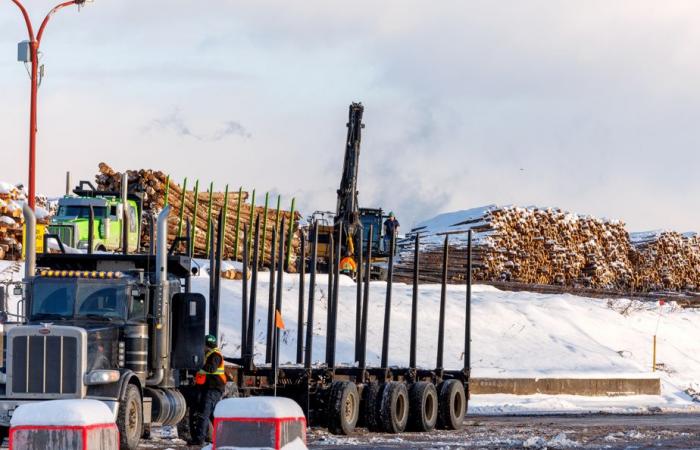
<point>592,106</point>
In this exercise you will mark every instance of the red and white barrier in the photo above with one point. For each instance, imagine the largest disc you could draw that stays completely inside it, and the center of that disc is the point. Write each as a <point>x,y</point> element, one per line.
<point>62,425</point>
<point>259,422</point>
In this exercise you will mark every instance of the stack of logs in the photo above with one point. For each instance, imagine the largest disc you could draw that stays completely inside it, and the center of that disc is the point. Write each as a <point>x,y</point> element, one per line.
<point>530,245</point>
<point>154,184</point>
<point>12,220</point>
<point>666,260</point>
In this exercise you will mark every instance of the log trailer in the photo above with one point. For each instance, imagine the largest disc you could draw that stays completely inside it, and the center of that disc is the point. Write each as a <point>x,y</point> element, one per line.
<point>340,397</point>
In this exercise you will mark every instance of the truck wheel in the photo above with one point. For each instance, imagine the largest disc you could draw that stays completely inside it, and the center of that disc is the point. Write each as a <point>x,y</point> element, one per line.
<point>393,411</point>
<point>452,406</point>
<point>371,400</point>
<point>130,419</point>
<point>423,406</point>
<point>343,407</point>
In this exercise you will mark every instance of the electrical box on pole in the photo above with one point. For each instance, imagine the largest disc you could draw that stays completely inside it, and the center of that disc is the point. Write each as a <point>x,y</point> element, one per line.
<point>24,53</point>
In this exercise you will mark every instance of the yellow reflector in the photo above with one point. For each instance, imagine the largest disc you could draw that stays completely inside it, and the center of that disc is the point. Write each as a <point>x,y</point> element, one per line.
<point>71,273</point>
<point>94,274</point>
<point>64,273</point>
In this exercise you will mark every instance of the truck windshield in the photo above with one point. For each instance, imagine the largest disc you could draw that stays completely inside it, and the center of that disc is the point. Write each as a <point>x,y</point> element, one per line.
<point>80,211</point>
<point>68,298</point>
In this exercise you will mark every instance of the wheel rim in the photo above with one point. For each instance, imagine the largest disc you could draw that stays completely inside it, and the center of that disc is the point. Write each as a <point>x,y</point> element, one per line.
<point>132,419</point>
<point>349,408</point>
<point>457,406</point>
<point>430,407</point>
<point>400,408</point>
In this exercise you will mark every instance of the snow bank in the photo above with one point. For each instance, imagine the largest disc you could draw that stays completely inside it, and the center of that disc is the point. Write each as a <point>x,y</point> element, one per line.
<point>258,407</point>
<point>63,413</point>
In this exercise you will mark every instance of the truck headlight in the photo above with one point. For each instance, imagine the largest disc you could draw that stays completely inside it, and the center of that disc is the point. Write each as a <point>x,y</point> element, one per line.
<point>101,377</point>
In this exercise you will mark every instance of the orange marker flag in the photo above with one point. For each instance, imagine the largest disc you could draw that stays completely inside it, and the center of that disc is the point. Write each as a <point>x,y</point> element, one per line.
<point>279,323</point>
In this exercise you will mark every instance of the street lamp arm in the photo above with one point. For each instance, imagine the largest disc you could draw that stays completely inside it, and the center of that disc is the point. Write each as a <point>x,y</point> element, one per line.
<point>30,29</point>
<point>51,13</point>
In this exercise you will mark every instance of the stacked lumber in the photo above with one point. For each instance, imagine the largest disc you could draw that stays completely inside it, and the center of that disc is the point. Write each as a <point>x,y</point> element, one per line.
<point>154,184</point>
<point>12,221</point>
<point>666,260</point>
<point>527,245</point>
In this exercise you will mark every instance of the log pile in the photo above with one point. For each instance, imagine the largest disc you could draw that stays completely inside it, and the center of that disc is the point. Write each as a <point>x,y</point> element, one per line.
<point>666,260</point>
<point>12,221</point>
<point>528,245</point>
<point>154,184</point>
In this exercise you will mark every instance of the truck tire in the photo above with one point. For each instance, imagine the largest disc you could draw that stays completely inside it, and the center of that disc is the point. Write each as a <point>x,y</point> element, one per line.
<point>452,405</point>
<point>130,419</point>
<point>343,407</point>
<point>393,411</point>
<point>369,406</point>
<point>423,406</point>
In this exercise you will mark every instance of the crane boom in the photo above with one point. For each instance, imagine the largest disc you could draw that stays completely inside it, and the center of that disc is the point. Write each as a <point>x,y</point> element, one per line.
<point>347,211</point>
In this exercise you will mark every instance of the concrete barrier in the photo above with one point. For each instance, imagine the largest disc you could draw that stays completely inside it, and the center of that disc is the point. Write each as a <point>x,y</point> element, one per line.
<point>566,386</point>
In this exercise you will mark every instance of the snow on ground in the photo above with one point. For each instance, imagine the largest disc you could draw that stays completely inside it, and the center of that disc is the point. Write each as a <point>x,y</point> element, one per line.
<point>514,334</point>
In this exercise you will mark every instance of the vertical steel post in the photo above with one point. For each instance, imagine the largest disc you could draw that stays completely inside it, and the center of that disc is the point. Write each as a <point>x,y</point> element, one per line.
<point>250,223</point>
<point>387,304</point>
<point>278,299</point>
<point>264,227</point>
<point>312,295</point>
<point>244,297</point>
<point>329,314</point>
<point>365,301</point>
<point>91,231</point>
<point>443,298</point>
<point>414,304</point>
<point>468,314</point>
<point>290,235</point>
<point>271,301</point>
<point>238,223</point>
<point>167,191</point>
<point>210,232</point>
<point>194,217</point>
<point>300,311</point>
<point>215,306</point>
<point>225,210</point>
<point>358,294</point>
<point>336,292</point>
<point>250,340</point>
<point>182,208</point>
<point>212,282</point>
<point>277,215</point>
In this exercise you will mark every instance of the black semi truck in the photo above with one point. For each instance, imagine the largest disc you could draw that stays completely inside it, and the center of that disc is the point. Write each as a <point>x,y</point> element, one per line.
<point>102,326</point>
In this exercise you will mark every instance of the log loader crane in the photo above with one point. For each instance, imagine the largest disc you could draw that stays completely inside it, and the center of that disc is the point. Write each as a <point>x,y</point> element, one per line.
<point>350,220</point>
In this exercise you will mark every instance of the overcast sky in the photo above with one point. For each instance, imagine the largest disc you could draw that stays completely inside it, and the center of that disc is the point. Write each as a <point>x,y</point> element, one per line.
<point>591,106</point>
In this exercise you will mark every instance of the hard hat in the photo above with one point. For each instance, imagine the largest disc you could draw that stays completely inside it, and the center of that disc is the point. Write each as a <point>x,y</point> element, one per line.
<point>210,340</point>
<point>391,213</point>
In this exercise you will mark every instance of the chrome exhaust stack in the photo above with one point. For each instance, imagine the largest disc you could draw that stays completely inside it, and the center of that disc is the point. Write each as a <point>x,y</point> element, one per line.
<point>29,241</point>
<point>160,350</point>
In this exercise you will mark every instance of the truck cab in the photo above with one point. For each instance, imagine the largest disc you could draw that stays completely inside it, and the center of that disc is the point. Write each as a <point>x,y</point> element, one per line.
<point>72,220</point>
<point>99,326</point>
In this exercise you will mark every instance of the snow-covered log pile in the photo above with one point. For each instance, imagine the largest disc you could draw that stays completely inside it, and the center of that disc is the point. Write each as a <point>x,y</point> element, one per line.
<point>666,260</point>
<point>528,245</point>
<point>11,220</point>
<point>154,184</point>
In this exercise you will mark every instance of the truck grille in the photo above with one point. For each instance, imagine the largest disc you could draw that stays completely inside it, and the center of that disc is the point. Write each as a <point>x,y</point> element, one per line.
<point>45,365</point>
<point>65,232</point>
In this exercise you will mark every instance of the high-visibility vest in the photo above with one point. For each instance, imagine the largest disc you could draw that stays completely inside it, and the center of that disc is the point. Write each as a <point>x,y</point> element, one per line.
<point>201,376</point>
<point>348,264</point>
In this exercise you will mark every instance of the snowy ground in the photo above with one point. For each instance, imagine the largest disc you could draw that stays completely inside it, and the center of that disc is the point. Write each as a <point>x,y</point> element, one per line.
<point>515,334</point>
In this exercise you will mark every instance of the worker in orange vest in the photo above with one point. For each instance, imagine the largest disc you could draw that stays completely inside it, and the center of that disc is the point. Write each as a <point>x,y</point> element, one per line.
<point>210,382</point>
<point>348,265</point>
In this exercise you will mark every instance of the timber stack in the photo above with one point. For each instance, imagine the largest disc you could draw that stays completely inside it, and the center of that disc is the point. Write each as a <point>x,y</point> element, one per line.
<point>666,260</point>
<point>157,188</point>
<point>527,245</point>
<point>12,221</point>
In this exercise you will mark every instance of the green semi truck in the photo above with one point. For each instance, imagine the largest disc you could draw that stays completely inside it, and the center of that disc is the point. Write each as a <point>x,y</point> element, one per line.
<point>112,212</point>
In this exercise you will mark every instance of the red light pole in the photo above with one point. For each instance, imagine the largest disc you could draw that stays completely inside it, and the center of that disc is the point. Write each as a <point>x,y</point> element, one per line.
<point>34,55</point>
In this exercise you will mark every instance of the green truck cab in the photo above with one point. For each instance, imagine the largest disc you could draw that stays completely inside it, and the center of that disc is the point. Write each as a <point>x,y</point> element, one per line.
<point>72,220</point>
